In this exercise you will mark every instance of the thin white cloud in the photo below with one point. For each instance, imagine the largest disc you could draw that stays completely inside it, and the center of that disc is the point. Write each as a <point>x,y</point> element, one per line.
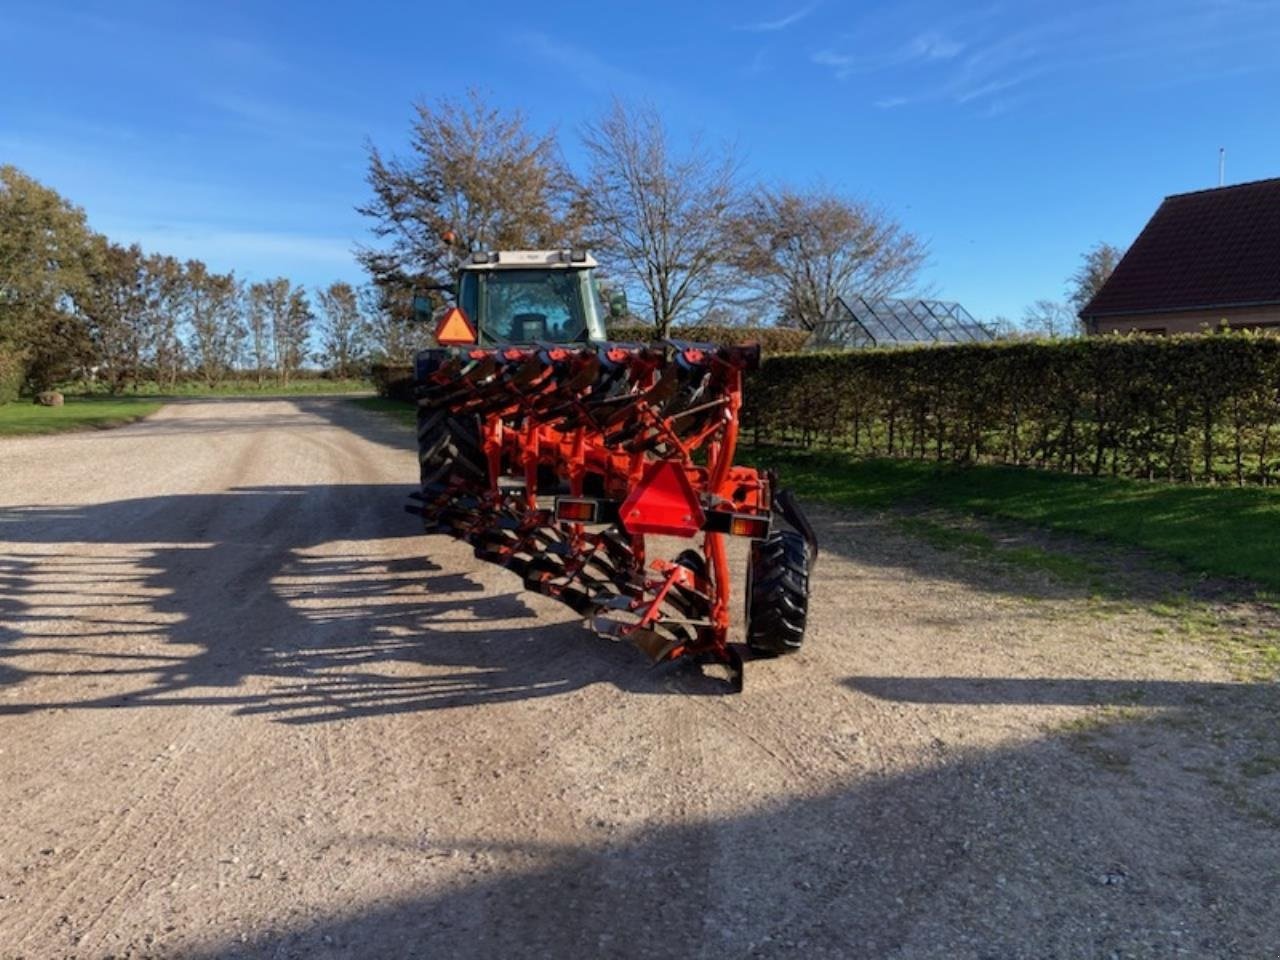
<point>586,66</point>
<point>601,76</point>
<point>978,59</point>
<point>934,46</point>
<point>930,47</point>
<point>773,26</point>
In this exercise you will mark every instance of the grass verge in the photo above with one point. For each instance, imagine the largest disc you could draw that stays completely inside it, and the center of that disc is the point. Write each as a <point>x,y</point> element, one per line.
<point>230,388</point>
<point>951,536</point>
<point>23,418</point>
<point>1225,531</point>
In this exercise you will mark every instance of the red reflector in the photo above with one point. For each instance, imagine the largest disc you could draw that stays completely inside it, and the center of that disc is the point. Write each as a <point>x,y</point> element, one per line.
<point>455,329</point>
<point>578,511</point>
<point>663,502</point>
<point>746,525</point>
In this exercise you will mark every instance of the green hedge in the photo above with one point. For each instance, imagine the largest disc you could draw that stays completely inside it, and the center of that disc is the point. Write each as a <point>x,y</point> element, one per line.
<point>772,340</point>
<point>395,381</point>
<point>1204,408</point>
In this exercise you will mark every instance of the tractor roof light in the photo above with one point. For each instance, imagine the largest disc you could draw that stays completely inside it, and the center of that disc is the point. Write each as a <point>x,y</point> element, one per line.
<point>663,502</point>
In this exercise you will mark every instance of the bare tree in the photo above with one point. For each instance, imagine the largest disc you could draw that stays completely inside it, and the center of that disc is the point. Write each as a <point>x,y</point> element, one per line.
<point>291,318</point>
<point>213,312</point>
<point>343,335</point>
<point>477,176</point>
<point>1049,318</point>
<point>799,251</point>
<point>394,337</point>
<point>258,314</point>
<point>166,297</point>
<point>1096,266</point>
<point>279,316</point>
<point>662,216</point>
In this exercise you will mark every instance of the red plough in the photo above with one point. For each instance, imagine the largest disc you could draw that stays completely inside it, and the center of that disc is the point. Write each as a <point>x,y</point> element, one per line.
<point>559,458</point>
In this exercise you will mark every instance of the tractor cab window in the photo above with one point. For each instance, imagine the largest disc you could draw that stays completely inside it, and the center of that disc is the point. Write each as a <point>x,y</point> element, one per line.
<point>528,306</point>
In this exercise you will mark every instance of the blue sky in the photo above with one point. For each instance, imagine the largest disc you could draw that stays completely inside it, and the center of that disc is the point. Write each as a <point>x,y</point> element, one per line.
<point>1011,136</point>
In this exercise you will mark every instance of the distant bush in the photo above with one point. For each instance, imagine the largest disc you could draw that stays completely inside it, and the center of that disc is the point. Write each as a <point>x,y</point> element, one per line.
<point>1202,407</point>
<point>12,375</point>
<point>393,381</point>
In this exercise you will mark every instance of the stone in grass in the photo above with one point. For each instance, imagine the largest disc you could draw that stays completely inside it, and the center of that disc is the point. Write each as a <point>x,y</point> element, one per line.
<point>49,398</point>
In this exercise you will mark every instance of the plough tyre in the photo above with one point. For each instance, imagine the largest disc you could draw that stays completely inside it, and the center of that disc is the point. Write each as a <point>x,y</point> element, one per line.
<point>558,454</point>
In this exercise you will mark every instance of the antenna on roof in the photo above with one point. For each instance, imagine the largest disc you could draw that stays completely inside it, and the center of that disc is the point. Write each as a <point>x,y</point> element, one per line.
<point>1222,166</point>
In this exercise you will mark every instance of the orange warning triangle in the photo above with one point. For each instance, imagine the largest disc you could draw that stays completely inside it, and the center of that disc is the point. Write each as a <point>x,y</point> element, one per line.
<point>455,328</point>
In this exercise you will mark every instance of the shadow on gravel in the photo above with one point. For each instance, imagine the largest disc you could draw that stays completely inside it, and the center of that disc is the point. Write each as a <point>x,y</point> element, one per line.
<point>280,601</point>
<point>1030,851</point>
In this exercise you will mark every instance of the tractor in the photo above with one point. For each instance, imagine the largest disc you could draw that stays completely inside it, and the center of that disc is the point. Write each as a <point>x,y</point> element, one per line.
<point>561,455</point>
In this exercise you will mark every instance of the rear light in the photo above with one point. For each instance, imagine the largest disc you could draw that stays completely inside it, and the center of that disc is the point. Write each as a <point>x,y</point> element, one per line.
<point>576,510</point>
<point>749,525</point>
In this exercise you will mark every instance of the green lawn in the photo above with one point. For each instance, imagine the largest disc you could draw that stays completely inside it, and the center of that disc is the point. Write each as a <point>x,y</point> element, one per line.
<point>22,417</point>
<point>1227,531</point>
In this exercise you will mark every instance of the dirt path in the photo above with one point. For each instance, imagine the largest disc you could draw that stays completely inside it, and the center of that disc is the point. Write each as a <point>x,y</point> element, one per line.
<point>246,712</point>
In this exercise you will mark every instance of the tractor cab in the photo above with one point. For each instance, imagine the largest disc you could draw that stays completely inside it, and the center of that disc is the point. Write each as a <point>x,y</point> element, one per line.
<point>524,297</point>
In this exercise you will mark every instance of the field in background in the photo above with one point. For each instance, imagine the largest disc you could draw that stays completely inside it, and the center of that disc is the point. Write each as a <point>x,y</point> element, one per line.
<point>87,409</point>
<point>229,388</point>
<point>24,418</point>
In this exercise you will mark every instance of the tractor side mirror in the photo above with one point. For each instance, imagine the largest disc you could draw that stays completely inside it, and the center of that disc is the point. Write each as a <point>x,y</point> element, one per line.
<point>425,309</point>
<point>618,305</point>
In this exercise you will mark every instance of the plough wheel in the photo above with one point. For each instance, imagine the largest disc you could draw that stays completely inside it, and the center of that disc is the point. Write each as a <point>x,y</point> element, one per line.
<point>450,445</point>
<point>777,593</point>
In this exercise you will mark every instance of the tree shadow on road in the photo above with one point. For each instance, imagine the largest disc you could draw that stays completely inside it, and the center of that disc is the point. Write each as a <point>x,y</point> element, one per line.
<point>1028,850</point>
<point>298,603</point>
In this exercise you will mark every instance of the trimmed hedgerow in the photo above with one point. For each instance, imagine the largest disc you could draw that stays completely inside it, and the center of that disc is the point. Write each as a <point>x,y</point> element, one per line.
<point>1201,408</point>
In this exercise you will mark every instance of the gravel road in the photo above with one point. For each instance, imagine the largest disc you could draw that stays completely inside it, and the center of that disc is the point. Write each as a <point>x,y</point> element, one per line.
<point>247,711</point>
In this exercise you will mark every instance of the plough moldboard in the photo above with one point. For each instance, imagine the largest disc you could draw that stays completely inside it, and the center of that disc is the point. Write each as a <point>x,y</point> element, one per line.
<point>637,440</point>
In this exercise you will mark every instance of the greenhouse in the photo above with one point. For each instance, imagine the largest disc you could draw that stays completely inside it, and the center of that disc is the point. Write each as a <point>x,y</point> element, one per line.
<point>857,322</point>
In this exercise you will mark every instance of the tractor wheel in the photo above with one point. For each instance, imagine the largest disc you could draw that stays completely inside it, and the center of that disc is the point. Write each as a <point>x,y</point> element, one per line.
<point>777,593</point>
<point>449,445</point>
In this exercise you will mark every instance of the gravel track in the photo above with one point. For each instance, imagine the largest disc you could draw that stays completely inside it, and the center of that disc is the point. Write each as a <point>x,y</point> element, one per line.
<point>245,711</point>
